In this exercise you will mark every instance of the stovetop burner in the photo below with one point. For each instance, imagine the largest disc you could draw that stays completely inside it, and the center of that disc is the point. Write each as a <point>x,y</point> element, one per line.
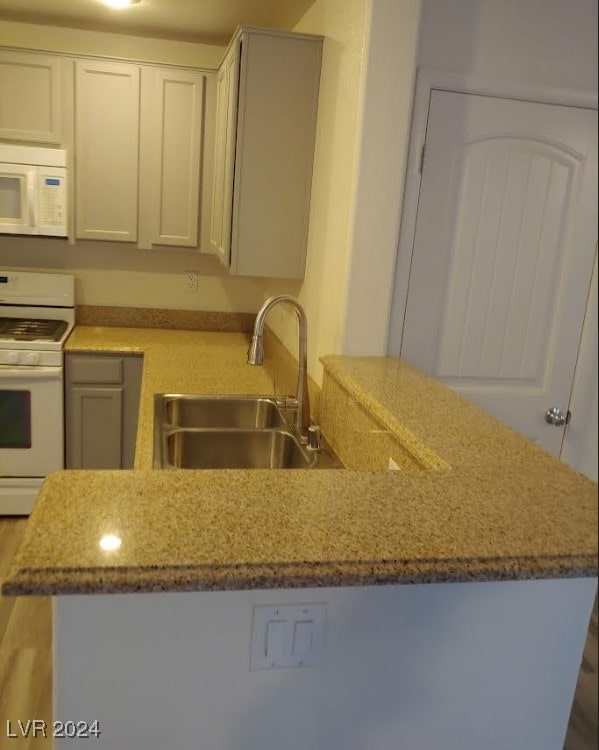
<point>27,329</point>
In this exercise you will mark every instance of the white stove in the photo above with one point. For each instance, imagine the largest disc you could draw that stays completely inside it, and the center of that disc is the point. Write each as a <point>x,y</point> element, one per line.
<point>37,314</point>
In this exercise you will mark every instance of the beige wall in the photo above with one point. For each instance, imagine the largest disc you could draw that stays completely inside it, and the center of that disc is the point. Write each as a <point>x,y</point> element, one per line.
<point>110,273</point>
<point>389,75</point>
<point>548,42</point>
<point>81,42</point>
<point>323,291</point>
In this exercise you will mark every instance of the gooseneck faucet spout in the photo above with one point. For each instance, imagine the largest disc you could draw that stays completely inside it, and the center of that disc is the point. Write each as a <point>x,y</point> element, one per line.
<point>256,357</point>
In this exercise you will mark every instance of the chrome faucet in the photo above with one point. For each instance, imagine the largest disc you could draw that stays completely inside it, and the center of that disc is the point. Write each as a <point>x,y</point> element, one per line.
<point>301,402</point>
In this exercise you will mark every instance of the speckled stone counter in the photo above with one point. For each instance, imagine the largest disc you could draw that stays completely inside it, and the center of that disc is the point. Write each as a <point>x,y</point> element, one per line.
<point>152,317</point>
<point>481,503</point>
<point>195,530</point>
<point>443,429</point>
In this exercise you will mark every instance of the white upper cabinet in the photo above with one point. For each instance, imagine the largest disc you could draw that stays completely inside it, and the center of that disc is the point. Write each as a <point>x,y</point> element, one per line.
<point>224,154</point>
<point>141,133</point>
<point>173,104</point>
<point>31,88</point>
<point>264,148</point>
<point>106,150</point>
<point>166,156</point>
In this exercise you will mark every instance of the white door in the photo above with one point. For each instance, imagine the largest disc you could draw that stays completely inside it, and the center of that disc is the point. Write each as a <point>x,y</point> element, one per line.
<point>503,254</point>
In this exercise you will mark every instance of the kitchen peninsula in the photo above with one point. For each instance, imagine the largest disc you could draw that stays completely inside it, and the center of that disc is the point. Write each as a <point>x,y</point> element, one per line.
<point>457,589</point>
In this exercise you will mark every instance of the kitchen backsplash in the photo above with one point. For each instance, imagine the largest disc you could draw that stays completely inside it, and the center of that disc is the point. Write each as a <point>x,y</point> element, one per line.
<point>154,317</point>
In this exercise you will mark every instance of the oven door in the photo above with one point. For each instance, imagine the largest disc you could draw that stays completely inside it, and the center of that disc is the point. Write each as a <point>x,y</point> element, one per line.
<point>31,421</point>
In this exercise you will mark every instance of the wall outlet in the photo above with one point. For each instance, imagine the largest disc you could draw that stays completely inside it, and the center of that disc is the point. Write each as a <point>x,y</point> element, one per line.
<point>191,281</point>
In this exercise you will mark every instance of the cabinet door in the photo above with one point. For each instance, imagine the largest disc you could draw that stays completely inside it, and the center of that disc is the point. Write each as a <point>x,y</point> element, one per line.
<point>94,425</point>
<point>170,151</point>
<point>276,128</point>
<point>30,97</point>
<point>132,372</point>
<point>107,137</point>
<point>101,407</point>
<point>224,154</point>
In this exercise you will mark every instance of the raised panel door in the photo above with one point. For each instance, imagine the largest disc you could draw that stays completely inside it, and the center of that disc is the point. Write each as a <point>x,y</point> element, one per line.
<point>172,133</point>
<point>224,155</point>
<point>502,260</point>
<point>107,139</point>
<point>94,427</point>
<point>276,121</point>
<point>30,97</point>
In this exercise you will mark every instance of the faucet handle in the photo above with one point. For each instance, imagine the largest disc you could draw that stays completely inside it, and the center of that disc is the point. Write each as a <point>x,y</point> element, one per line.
<point>314,437</point>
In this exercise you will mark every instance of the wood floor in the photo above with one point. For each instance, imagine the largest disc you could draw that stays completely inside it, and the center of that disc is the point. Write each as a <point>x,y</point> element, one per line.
<point>25,651</point>
<point>582,730</point>
<point>26,662</point>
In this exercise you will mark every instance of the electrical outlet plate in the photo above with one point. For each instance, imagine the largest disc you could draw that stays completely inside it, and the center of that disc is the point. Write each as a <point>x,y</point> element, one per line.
<point>191,281</point>
<point>289,635</point>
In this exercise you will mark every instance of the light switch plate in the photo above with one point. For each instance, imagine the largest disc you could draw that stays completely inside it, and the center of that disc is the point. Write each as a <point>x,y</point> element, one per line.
<point>287,635</point>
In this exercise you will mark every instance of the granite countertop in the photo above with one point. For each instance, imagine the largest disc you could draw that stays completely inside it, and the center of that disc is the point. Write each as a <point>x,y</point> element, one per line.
<point>501,509</point>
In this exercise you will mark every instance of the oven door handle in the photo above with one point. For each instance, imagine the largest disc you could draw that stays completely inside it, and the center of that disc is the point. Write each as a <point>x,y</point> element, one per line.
<point>29,373</point>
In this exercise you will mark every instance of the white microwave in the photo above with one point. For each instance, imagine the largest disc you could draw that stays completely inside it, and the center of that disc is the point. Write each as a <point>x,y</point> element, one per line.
<point>33,190</point>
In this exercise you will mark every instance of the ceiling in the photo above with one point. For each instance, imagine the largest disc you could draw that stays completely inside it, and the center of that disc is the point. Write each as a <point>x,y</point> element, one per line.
<point>208,21</point>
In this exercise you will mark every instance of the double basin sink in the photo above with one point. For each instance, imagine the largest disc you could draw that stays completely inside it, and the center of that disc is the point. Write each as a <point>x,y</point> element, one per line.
<point>229,432</point>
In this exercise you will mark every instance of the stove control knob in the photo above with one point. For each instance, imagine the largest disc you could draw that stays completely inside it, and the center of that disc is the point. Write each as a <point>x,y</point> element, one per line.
<point>32,358</point>
<point>12,358</point>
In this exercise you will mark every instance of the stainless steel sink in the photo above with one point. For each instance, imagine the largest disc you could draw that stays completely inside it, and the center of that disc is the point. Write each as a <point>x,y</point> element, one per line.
<point>234,449</point>
<point>240,412</point>
<point>229,432</point>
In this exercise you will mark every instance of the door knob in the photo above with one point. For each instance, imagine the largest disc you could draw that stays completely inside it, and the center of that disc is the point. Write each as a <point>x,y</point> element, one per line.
<point>556,417</point>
